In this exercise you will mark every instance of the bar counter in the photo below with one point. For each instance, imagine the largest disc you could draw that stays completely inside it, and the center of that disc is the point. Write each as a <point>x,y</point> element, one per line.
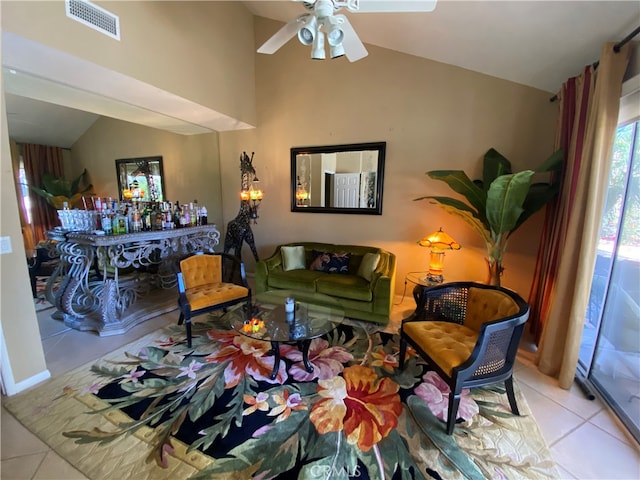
<point>110,283</point>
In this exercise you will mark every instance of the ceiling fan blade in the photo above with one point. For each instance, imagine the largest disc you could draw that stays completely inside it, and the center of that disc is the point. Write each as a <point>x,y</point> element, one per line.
<point>353,48</point>
<point>390,6</point>
<point>283,35</point>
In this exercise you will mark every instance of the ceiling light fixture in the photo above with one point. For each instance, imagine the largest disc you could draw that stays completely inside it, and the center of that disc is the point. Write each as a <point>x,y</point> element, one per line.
<point>307,32</point>
<point>335,36</point>
<point>317,52</point>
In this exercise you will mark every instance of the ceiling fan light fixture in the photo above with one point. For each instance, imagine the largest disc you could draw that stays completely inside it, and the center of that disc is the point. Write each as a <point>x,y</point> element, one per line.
<point>336,51</point>
<point>335,36</point>
<point>317,52</point>
<point>307,32</point>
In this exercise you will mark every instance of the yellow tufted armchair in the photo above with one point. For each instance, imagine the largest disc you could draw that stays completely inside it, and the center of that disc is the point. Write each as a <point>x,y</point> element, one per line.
<point>469,334</point>
<point>207,282</point>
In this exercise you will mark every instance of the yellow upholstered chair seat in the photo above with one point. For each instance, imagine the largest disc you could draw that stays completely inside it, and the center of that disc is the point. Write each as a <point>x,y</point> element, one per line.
<point>211,294</point>
<point>448,344</point>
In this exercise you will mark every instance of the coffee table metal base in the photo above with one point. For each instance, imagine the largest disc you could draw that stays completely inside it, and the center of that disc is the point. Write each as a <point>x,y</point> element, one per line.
<point>303,346</point>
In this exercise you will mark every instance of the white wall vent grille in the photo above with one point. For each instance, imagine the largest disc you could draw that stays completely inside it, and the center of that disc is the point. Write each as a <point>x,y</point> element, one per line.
<point>94,17</point>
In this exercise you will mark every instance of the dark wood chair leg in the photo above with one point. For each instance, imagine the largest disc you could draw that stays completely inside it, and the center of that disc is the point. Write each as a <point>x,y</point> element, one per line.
<point>403,351</point>
<point>181,318</point>
<point>187,323</point>
<point>511,395</point>
<point>454,401</point>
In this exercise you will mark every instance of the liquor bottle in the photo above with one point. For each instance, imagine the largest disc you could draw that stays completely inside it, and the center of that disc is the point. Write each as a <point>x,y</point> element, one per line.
<point>196,212</point>
<point>105,222</point>
<point>146,218</point>
<point>192,215</point>
<point>203,216</point>
<point>176,215</point>
<point>158,217</point>
<point>167,216</point>
<point>186,221</point>
<point>136,219</point>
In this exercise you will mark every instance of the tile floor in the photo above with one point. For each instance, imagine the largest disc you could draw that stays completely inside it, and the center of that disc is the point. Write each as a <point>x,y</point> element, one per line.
<point>585,438</point>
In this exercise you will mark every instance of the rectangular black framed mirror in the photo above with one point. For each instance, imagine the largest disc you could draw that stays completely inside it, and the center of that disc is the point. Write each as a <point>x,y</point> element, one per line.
<point>140,179</point>
<point>338,178</point>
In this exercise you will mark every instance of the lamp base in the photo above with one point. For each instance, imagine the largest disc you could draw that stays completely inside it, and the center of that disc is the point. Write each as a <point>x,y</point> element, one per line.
<point>434,278</point>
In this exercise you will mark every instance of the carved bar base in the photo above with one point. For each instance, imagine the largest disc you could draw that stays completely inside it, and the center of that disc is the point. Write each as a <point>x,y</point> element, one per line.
<point>109,284</point>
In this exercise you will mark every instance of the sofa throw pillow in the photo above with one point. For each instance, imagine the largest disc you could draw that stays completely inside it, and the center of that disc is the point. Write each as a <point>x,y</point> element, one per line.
<point>292,257</point>
<point>330,262</point>
<point>368,265</point>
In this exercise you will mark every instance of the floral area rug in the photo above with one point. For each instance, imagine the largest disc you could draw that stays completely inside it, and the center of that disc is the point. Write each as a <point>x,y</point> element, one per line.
<point>157,409</point>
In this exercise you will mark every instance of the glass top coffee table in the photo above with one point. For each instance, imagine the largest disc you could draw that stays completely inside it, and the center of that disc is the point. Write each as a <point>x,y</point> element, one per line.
<point>267,319</point>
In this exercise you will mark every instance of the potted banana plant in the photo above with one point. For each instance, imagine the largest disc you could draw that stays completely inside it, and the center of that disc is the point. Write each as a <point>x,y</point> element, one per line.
<point>499,203</point>
<point>56,191</point>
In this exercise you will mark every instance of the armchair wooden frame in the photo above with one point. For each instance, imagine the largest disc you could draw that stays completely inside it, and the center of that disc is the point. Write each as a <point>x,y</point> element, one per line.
<point>493,356</point>
<point>211,290</point>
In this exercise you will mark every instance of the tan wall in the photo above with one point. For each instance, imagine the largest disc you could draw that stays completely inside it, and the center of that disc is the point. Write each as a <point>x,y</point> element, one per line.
<point>432,116</point>
<point>20,334</point>
<point>202,51</point>
<point>191,164</point>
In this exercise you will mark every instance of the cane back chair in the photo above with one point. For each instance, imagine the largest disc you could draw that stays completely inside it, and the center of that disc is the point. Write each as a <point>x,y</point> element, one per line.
<point>469,334</point>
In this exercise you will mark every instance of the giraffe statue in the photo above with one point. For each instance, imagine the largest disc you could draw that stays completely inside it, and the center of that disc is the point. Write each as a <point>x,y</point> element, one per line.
<point>239,229</point>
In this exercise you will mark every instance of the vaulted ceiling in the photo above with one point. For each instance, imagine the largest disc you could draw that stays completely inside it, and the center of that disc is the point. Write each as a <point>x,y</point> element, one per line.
<point>535,43</point>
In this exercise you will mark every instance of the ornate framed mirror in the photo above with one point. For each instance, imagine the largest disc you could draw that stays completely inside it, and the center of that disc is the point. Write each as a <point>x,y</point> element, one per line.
<point>338,178</point>
<point>140,179</point>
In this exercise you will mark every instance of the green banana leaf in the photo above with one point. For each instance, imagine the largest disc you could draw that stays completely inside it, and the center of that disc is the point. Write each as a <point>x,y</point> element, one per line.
<point>553,163</point>
<point>495,164</point>
<point>57,190</point>
<point>505,198</point>
<point>500,202</point>
<point>459,182</point>
<point>466,213</point>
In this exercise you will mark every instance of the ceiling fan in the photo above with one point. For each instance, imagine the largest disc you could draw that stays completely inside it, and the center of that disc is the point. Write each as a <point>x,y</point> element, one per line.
<point>322,21</point>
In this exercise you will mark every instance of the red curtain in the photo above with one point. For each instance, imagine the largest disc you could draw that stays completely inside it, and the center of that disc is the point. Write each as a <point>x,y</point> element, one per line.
<point>572,120</point>
<point>39,159</point>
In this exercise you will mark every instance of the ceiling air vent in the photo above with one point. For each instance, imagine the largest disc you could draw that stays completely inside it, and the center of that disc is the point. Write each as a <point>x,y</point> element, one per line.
<point>94,17</point>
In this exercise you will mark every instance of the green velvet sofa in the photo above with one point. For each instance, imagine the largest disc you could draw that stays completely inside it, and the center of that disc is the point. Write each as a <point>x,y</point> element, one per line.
<point>364,289</point>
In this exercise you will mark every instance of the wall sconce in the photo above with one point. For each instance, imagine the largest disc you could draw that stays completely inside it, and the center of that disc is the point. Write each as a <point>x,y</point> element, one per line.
<point>133,192</point>
<point>438,242</point>
<point>301,194</point>
<point>250,193</point>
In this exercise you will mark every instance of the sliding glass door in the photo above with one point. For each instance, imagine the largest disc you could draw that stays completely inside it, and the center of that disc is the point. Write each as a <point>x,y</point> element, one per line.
<point>610,350</point>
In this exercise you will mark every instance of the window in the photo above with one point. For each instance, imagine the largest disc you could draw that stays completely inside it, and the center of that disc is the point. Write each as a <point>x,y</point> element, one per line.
<point>24,190</point>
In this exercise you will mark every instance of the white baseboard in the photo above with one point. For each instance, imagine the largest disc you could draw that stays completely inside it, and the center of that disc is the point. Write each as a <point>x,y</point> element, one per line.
<point>9,386</point>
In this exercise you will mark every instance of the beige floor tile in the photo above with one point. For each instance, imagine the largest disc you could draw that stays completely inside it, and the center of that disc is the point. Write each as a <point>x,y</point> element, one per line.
<point>607,421</point>
<point>55,467</point>
<point>21,468</point>
<point>87,346</point>
<point>591,453</point>
<point>554,420</point>
<point>564,475</point>
<point>17,441</point>
<point>572,399</point>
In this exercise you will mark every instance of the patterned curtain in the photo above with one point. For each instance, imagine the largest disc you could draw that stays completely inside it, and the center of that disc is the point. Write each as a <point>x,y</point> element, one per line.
<point>39,159</point>
<point>587,122</point>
